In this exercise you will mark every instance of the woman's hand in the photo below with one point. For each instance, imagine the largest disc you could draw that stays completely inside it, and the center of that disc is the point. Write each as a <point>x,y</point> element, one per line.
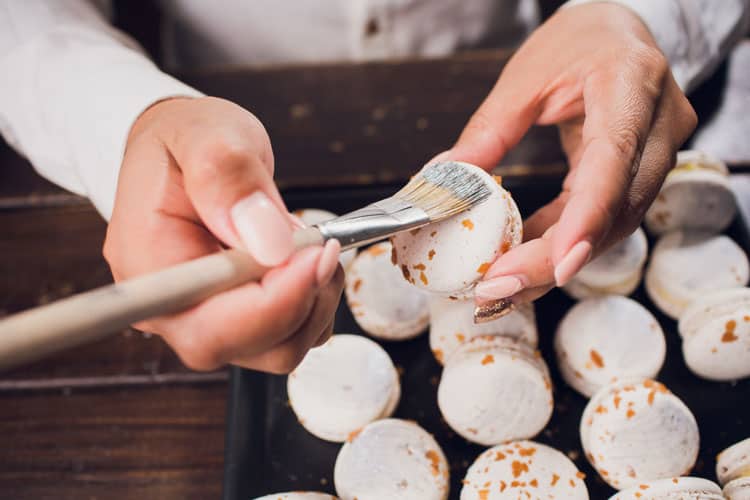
<point>198,175</point>
<point>596,72</point>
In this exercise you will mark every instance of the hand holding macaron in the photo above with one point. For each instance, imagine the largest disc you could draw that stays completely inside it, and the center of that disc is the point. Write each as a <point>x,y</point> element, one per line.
<point>595,71</point>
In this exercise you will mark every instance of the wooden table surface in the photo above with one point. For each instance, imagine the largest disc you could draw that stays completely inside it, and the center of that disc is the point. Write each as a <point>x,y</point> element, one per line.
<point>123,418</point>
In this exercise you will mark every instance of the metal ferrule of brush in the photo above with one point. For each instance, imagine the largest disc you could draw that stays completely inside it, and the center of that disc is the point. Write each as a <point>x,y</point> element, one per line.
<point>373,222</point>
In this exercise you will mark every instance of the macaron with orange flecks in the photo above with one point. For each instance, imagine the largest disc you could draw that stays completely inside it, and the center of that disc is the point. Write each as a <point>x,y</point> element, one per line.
<point>523,469</point>
<point>382,303</point>
<point>676,488</point>
<point>452,324</point>
<point>393,459</point>
<point>449,257</point>
<point>602,340</point>
<point>733,470</point>
<point>637,431</point>
<point>495,389</point>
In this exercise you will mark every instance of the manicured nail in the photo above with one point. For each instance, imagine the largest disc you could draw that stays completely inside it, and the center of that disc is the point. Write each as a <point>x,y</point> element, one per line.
<point>497,288</point>
<point>576,258</point>
<point>490,311</point>
<point>265,231</point>
<point>329,261</point>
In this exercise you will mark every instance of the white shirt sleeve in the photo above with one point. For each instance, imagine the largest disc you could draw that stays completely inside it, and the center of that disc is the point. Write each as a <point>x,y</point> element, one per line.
<point>695,35</point>
<point>71,87</point>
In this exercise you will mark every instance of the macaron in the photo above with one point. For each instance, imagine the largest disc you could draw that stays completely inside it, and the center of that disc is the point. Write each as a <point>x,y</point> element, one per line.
<point>312,216</point>
<point>523,469</point>
<point>452,324</point>
<point>616,271</point>
<point>393,459</point>
<point>298,495</point>
<point>685,266</point>
<point>637,431</point>
<point>675,488</point>
<point>733,470</point>
<point>383,304</point>
<point>695,195</point>
<point>449,257</point>
<point>494,390</point>
<point>605,339</point>
<point>342,386</point>
<point>715,332</point>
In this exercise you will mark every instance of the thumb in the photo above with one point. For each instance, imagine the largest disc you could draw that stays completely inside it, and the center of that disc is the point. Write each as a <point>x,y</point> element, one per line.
<point>498,124</point>
<point>234,195</point>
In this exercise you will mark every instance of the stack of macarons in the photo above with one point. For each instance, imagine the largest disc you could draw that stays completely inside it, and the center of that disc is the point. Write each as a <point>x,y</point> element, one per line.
<point>733,470</point>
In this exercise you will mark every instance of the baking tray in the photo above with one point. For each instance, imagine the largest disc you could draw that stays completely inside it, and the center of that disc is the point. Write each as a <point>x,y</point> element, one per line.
<point>268,451</point>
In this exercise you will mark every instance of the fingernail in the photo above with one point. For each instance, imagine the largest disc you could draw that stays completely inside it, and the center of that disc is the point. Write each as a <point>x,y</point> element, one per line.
<point>297,222</point>
<point>490,311</point>
<point>329,261</point>
<point>265,231</point>
<point>576,258</point>
<point>497,288</point>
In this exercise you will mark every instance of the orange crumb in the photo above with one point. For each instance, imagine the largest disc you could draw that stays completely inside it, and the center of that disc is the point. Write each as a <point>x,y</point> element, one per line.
<point>483,494</point>
<point>577,374</point>
<point>519,468</point>
<point>430,254</point>
<point>597,358</point>
<point>603,472</point>
<point>467,224</point>
<point>438,353</point>
<point>498,179</point>
<point>357,284</point>
<point>630,414</point>
<point>352,435</point>
<point>423,277</point>
<point>434,459</point>
<point>489,358</point>
<point>499,455</point>
<point>527,452</point>
<point>746,318</point>
<point>555,479</point>
<point>729,335</point>
<point>572,483</point>
<point>601,409</point>
<point>638,494</point>
<point>617,402</point>
<point>460,337</point>
<point>674,480</point>
<point>376,250</point>
<point>505,246</point>
<point>643,486</point>
<point>714,350</point>
<point>534,483</point>
<point>419,267</point>
<point>483,267</point>
<point>502,486</point>
<point>580,475</point>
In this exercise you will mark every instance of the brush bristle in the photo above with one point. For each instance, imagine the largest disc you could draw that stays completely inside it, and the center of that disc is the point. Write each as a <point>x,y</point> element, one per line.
<point>445,189</point>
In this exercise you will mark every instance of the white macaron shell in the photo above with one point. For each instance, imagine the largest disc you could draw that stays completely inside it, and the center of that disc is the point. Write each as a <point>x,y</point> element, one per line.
<point>738,489</point>
<point>342,386</point>
<point>695,195</point>
<point>579,291</point>
<point>312,216</point>
<point>298,495</point>
<point>393,459</point>
<point>720,350</point>
<point>618,264</point>
<point>676,488</point>
<point>382,303</point>
<point>523,469</point>
<point>450,256</point>
<point>452,324</point>
<point>494,390</point>
<point>734,462</point>
<point>687,265</point>
<point>606,339</point>
<point>636,431</point>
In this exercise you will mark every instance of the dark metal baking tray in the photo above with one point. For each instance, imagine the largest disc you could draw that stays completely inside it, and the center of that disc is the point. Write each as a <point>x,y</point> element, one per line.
<point>268,451</point>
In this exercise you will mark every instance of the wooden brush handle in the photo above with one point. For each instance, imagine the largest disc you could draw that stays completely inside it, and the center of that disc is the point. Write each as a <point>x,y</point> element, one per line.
<point>33,334</point>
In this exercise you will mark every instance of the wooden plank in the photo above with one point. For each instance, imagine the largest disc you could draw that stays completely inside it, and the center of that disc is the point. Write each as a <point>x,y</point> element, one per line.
<point>150,442</point>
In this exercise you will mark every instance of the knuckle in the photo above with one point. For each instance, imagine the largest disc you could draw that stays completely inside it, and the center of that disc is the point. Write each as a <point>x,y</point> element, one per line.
<point>196,354</point>
<point>627,142</point>
<point>222,157</point>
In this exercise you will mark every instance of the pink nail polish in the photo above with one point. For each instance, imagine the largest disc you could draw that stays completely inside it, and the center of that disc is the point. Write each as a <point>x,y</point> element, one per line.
<point>329,261</point>
<point>574,260</point>
<point>497,288</point>
<point>265,232</point>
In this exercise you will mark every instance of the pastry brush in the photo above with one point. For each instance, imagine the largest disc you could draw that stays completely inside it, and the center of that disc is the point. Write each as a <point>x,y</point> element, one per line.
<point>438,191</point>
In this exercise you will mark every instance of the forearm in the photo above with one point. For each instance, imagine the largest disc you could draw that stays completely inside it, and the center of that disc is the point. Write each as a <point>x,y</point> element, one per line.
<point>70,89</point>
